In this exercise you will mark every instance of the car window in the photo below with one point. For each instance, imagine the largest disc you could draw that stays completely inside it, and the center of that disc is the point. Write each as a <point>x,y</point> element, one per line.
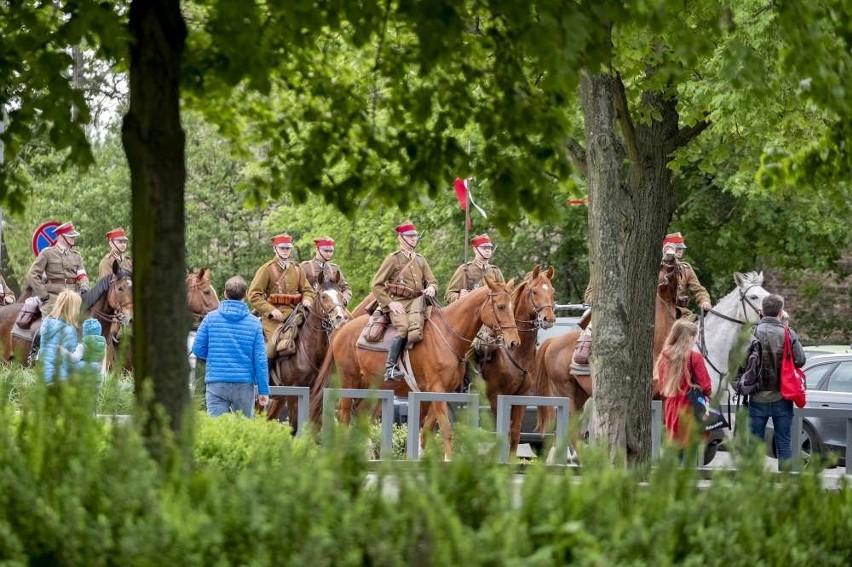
<point>841,379</point>
<point>816,373</point>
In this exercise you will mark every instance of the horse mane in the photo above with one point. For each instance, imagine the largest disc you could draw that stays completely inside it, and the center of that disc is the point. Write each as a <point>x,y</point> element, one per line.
<point>101,287</point>
<point>752,278</point>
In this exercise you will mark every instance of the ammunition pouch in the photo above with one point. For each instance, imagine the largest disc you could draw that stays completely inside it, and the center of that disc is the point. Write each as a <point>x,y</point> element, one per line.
<point>283,340</point>
<point>285,299</point>
<point>399,290</point>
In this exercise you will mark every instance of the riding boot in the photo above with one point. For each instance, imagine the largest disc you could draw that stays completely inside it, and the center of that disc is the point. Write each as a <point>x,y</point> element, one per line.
<point>396,347</point>
<point>33,356</point>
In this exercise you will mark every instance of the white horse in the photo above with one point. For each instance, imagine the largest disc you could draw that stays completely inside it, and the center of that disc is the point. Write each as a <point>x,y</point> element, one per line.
<point>723,324</point>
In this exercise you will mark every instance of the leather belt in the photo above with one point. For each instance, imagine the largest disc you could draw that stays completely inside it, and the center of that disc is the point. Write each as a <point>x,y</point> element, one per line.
<point>68,281</point>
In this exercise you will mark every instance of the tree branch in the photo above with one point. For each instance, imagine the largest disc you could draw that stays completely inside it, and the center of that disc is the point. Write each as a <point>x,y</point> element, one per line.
<point>688,133</point>
<point>576,153</point>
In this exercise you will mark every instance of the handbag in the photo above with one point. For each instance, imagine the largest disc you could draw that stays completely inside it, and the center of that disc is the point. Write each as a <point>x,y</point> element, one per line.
<point>793,380</point>
<point>708,417</point>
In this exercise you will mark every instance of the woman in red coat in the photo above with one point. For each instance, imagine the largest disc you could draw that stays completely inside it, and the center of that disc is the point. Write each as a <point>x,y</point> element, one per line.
<point>678,367</point>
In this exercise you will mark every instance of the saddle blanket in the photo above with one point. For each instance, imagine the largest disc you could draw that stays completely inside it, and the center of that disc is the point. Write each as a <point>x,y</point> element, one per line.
<point>381,346</point>
<point>25,334</point>
<point>581,369</point>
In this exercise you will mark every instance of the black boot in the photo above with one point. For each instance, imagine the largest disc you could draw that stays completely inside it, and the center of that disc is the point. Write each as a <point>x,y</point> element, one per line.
<point>391,372</point>
<point>31,359</point>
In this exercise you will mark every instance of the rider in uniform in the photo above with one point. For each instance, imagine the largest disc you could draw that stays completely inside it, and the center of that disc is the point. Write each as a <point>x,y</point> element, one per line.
<point>117,239</point>
<point>471,275</point>
<point>57,268</point>
<point>279,286</point>
<point>403,278</point>
<point>321,263</point>
<point>687,281</point>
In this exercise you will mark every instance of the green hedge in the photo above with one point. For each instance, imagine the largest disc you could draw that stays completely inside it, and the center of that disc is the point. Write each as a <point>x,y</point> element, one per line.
<point>75,490</point>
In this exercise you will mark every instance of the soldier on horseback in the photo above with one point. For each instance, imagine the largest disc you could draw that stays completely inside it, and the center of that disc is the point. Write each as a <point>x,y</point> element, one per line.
<point>280,286</point>
<point>687,281</point>
<point>321,264</point>
<point>117,239</point>
<point>471,275</point>
<point>402,280</point>
<point>56,268</point>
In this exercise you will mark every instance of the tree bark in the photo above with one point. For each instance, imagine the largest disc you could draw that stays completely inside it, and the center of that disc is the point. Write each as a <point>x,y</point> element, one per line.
<point>154,144</point>
<point>631,203</point>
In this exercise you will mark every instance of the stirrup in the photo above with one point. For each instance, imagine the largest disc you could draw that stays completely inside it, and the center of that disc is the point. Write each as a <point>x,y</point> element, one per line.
<point>393,374</point>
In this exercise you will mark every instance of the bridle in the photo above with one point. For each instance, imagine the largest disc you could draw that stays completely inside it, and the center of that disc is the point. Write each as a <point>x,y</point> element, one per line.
<point>497,328</point>
<point>119,317</point>
<point>744,301</point>
<point>537,319</point>
<point>327,326</point>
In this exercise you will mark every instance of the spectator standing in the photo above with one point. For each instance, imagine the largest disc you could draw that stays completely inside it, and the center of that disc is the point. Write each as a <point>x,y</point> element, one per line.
<point>59,331</point>
<point>230,339</point>
<point>766,401</point>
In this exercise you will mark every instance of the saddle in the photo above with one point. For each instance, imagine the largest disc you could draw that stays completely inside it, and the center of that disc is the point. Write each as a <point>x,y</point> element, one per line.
<point>582,353</point>
<point>283,340</point>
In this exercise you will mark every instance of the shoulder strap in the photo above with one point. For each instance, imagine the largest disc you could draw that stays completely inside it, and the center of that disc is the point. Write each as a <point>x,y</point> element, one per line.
<point>277,273</point>
<point>405,267</point>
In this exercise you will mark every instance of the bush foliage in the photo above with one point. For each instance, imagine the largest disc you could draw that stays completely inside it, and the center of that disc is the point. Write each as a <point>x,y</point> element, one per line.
<point>77,490</point>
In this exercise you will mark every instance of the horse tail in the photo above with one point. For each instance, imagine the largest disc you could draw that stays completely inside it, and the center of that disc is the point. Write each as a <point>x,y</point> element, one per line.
<point>319,385</point>
<point>543,387</point>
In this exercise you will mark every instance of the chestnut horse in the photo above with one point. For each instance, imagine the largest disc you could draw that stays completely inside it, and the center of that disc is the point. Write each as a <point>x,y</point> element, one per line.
<point>508,372</point>
<point>110,301</point>
<point>552,374</point>
<point>8,315</point>
<point>201,299</point>
<point>437,361</point>
<point>300,369</point>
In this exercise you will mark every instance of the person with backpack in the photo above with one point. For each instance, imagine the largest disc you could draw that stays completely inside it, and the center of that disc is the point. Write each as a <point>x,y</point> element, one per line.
<point>765,401</point>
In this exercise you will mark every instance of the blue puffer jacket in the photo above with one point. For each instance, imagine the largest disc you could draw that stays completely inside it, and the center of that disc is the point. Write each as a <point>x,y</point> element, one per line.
<point>230,339</point>
<point>56,333</point>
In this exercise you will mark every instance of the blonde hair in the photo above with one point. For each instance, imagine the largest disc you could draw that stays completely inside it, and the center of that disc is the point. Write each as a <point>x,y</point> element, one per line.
<point>675,351</point>
<point>67,307</point>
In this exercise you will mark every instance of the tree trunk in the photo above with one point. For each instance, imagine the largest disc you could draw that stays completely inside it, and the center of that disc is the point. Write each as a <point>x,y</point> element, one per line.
<point>154,143</point>
<point>631,203</point>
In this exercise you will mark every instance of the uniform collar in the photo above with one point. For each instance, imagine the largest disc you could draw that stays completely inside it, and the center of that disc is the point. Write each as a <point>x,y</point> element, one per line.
<point>284,265</point>
<point>320,262</point>
<point>483,265</point>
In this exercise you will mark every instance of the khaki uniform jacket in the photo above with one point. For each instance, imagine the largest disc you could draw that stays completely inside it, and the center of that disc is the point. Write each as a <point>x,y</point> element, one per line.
<point>331,272</point>
<point>270,279</point>
<point>105,266</point>
<point>687,283</point>
<point>417,276</point>
<point>471,276</point>
<point>54,271</point>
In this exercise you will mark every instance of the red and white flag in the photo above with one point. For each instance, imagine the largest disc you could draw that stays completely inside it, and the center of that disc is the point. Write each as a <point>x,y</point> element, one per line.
<point>463,194</point>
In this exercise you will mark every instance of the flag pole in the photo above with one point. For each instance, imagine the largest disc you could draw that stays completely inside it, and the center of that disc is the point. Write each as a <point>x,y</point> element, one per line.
<point>466,218</point>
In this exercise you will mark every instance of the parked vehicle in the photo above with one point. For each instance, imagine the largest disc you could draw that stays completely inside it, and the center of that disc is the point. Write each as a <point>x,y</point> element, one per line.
<point>829,386</point>
<point>567,319</point>
<point>827,349</point>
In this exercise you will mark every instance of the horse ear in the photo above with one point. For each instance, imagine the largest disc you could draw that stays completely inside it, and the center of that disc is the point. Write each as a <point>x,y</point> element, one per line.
<point>201,273</point>
<point>511,283</point>
<point>535,271</point>
<point>549,273</point>
<point>738,279</point>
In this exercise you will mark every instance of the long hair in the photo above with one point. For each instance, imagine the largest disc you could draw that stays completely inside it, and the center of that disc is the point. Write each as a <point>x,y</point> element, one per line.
<point>670,366</point>
<point>67,307</point>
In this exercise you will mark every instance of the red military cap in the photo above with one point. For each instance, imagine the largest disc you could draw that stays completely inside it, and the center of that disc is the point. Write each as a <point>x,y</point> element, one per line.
<point>324,242</point>
<point>116,234</point>
<point>283,240</point>
<point>675,239</point>
<point>66,229</point>
<point>407,228</point>
<point>480,240</point>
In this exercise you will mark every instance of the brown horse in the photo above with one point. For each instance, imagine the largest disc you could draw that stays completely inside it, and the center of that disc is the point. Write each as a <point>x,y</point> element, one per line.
<point>552,373</point>
<point>8,315</point>
<point>201,299</point>
<point>300,369</point>
<point>508,372</point>
<point>110,301</point>
<point>437,362</point>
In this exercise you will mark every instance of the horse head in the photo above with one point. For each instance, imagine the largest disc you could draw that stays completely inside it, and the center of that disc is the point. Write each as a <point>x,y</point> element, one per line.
<point>498,313</point>
<point>535,298</point>
<point>329,301</point>
<point>201,298</point>
<point>111,301</point>
<point>751,294</point>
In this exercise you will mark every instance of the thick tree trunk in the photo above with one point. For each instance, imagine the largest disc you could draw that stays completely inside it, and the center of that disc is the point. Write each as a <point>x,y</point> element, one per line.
<point>154,143</point>
<point>631,203</point>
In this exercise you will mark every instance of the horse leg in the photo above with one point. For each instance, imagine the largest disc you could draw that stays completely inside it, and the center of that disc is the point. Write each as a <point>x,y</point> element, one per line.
<point>446,429</point>
<point>427,425</point>
<point>517,416</point>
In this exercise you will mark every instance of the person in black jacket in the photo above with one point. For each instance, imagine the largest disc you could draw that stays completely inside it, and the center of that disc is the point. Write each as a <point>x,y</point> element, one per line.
<point>766,401</point>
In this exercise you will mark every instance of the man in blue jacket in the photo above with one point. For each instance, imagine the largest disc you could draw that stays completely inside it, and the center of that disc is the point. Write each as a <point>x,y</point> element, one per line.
<point>230,339</point>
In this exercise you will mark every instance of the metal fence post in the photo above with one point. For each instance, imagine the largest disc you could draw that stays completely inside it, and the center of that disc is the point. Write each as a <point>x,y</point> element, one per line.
<point>303,394</point>
<point>330,397</point>
<point>414,401</point>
